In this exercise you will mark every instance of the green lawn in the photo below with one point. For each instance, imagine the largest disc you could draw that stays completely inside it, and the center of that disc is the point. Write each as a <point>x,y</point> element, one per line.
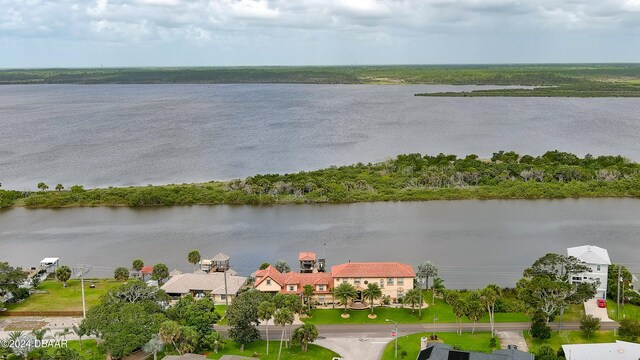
<point>573,337</point>
<point>64,299</point>
<point>627,310</point>
<point>260,347</point>
<point>466,341</point>
<point>441,309</point>
<point>90,350</point>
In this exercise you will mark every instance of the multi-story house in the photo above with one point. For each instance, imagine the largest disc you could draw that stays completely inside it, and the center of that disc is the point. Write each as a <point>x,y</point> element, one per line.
<point>598,261</point>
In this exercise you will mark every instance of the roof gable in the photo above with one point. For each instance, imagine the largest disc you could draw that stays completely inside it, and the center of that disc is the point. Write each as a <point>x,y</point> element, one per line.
<point>590,254</point>
<point>373,269</point>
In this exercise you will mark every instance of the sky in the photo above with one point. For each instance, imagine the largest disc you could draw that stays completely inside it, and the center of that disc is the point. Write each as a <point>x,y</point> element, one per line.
<point>111,33</point>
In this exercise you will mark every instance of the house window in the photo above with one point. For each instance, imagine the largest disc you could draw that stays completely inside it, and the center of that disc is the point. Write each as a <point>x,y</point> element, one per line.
<point>382,283</point>
<point>400,294</point>
<point>223,296</point>
<point>400,281</point>
<point>291,288</point>
<point>320,287</point>
<point>390,282</point>
<point>268,281</point>
<point>356,281</point>
<point>344,280</point>
<point>321,298</point>
<point>598,268</point>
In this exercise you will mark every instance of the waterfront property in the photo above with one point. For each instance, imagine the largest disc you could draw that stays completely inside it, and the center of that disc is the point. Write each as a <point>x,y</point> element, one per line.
<point>598,260</point>
<point>201,284</point>
<point>437,351</point>
<point>393,278</point>
<point>273,281</point>
<point>619,350</point>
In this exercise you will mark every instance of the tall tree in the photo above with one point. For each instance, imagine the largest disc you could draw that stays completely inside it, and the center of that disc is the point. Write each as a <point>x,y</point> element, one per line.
<point>59,187</point>
<point>266,309</point>
<point>304,335</point>
<point>121,273</point>
<point>474,308</point>
<point>80,330</point>
<point>589,324</point>
<point>242,317</point>
<point>345,292</point>
<point>489,296</point>
<point>10,278</point>
<point>413,298</point>
<point>453,298</point>
<point>154,346</point>
<point>282,266</point>
<point>63,274</point>
<point>42,186</point>
<point>282,317</point>
<point>307,292</point>
<point>160,272</point>
<point>194,258</point>
<point>425,271</point>
<point>613,280</point>
<point>372,293</point>
<point>137,265</point>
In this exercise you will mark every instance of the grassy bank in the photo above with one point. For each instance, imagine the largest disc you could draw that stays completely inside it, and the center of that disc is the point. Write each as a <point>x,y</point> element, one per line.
<point>58,298</point>
<point>589,89</point>
<point>411,344</point>
<point>569,337</point>
<point>412,177</point>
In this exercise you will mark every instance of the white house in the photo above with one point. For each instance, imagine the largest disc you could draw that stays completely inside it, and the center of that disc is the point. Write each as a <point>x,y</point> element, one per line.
<point>598,260</point>
<point>619,350</point>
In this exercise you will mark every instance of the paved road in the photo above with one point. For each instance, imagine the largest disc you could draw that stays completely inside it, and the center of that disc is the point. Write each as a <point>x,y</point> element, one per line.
<point>383,330</point>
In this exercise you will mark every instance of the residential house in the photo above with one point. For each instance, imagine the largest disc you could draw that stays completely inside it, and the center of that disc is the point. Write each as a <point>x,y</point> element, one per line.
<point>598,261</point>
<point>619,350</point>
<point>393,278</point>
<point>307,262</point>
<point>273,281</point>
<point>437,351</point>
<point>200,284</point>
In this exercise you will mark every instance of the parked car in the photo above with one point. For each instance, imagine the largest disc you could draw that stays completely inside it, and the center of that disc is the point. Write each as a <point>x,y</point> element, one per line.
<point>602,303</point>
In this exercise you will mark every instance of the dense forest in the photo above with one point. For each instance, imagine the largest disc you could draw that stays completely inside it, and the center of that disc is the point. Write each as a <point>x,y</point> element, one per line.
<point>411,177</point>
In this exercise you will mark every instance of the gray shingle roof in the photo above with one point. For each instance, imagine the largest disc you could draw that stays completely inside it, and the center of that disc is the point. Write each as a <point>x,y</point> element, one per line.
<point>200,281</point>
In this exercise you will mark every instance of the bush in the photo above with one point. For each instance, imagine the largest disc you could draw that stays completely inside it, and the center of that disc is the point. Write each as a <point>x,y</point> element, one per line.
<point>629,329</point>
<point>546,352</point>
<point>493,343</point>
<point>540,330</point>
<point>20,294</point>
<point>589,324</point>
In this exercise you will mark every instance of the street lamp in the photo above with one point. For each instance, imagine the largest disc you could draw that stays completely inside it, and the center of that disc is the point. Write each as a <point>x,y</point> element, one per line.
<point>396,335</point>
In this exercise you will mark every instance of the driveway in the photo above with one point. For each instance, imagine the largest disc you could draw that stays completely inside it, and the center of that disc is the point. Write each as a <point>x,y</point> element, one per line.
<point>512,338</point>
<point>591,308</point>
<point>351,348</point>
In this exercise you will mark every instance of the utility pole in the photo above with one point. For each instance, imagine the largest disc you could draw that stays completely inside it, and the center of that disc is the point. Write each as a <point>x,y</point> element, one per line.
<point>80,270</point>
<point>435,317</point>
<point>396,335</point>
<point>618,311</point>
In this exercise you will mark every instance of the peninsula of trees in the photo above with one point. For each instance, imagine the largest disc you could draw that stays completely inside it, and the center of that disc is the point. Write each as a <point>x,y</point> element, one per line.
<point>412,177</point>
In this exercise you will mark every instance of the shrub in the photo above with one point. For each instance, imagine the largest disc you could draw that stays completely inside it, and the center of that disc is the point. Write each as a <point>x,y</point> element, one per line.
<point>540,329</point>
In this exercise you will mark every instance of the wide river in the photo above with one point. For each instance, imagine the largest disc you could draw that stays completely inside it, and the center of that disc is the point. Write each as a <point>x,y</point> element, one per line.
<point>472,242</point>
<point>102,135</point>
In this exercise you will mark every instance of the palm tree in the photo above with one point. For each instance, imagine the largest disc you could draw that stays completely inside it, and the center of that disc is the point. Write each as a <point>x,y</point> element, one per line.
<point>40,334</point>
<point>282,317</point>
<point>307,292</point>
<point>345,292</point>
<point>59,187</point>
<point>14,335</point>
<point>304,335</point>
<point>438,286</point>
<point>371,293</point>
<point>489,296</point>
<point>425,271</point>
<point>265,312</point>
<point>80,331</point>
<point>63,273</point>
<point>194,258</point>
<point>63,333</point>
<point>137,265</point>
<point>413,298</point>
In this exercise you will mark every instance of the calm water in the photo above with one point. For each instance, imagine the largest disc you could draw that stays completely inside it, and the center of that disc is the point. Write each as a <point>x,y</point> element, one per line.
<point>103,135</point>
<point>473,242</point>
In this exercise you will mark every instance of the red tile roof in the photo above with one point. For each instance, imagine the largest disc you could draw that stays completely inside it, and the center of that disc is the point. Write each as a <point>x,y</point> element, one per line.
<point>307,256</point>
<point>293,278</point>
<point>372,269</point>
<point>147,269</point>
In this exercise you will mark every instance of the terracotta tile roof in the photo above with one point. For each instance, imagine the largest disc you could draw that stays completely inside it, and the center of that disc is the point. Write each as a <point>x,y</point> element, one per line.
<point>147,269</point>
<point>372,269</point>
<point>269,272</point>
<point>308,256</point>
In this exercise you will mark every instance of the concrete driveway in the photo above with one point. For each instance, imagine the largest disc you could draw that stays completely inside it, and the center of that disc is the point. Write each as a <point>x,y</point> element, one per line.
<point>591,308</point>
<point>352,348</point>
